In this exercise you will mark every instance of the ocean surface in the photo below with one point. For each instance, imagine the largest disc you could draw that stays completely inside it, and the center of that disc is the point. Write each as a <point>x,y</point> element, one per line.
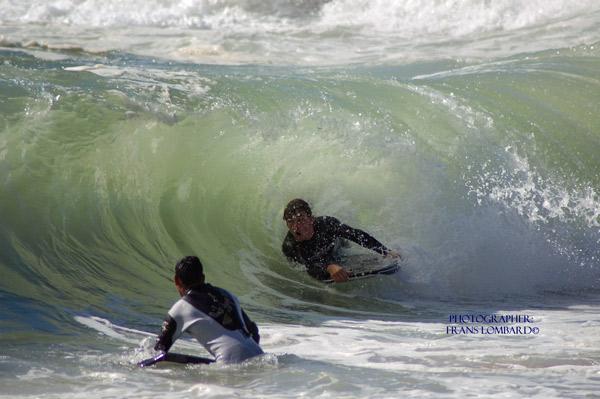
<point>465,134</point>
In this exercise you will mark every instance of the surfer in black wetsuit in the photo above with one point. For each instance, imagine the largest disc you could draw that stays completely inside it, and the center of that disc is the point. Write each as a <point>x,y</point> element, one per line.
<point>210,314</point>
<point>313,241</point>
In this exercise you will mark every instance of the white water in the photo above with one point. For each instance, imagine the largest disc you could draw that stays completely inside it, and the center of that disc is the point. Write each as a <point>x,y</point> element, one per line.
<point>301,32</point>
<point>342,358</point>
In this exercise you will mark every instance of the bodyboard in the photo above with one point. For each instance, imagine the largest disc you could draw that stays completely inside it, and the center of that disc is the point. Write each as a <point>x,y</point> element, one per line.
<point>360,266</point>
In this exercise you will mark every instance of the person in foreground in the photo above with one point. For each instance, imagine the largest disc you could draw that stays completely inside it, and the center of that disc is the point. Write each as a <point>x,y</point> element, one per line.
<point>313,241</point>
<point>210,314</point>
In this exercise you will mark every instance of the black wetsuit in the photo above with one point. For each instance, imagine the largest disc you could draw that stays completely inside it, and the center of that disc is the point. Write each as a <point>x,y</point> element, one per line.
<point>215,318</point>
<point>321,250</point>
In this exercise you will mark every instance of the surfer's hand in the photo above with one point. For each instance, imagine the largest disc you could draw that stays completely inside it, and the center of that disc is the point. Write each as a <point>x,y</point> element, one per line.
<point>337,273</point>
<point>393,255</point>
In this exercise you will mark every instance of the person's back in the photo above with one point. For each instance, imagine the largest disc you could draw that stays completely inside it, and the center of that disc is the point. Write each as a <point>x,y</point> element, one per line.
<point>210,314</point>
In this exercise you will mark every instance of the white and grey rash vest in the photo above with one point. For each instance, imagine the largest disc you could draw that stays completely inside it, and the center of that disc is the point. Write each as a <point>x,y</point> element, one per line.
<point>215,318</point>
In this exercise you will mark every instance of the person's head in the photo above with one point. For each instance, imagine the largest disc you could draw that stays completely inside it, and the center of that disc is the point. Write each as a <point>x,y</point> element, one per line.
<point>188,274</point>
<point>299,220</point>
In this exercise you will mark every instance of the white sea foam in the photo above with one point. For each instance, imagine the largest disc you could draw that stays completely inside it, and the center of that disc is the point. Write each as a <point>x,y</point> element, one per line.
<point>409,19</point>
<point>371,358</point>
<point>303,32</point>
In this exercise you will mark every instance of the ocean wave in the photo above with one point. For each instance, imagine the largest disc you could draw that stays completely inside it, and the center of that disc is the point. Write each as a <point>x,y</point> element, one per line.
<point>110,173</point>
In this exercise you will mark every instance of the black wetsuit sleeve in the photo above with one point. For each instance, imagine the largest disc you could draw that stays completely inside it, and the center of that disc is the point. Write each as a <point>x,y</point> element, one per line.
<point>318,270</point>
<point>289,250</point>
<point>314,269</point>
<point>252,327</point>
<point>360,237</point>
<point>165,339</point>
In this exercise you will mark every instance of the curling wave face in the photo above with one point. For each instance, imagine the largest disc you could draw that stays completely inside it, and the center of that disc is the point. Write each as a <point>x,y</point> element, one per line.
<point>485,175</point>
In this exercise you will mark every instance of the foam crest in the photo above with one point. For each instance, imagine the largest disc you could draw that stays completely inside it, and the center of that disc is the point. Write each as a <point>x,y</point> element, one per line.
<point>317,32</point>
<point>447,19</point>
<point>412,19</point>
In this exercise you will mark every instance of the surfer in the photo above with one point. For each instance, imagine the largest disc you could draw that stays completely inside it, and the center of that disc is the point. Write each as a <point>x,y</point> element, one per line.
<point>313,241</point>
<point>210,314</point>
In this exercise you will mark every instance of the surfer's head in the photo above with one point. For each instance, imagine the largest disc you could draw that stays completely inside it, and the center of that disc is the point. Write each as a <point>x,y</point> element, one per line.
<point>188,274</point>
<point>299,219</point>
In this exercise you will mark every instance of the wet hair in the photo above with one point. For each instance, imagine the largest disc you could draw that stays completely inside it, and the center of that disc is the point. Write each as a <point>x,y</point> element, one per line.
<point>190,272</point>
<point>294,207</point>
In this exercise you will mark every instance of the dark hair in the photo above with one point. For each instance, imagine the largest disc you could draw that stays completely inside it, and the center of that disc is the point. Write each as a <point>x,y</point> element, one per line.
<point>190,271</point>
<point>294,207</point>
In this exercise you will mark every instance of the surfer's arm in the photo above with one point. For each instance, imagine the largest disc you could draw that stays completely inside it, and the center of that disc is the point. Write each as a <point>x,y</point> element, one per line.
<point>252,327</point>
<point>318,270</point>
<point>315,268</point>
<point>168,335</point>
<point>289,250</point>
<point>362,238</point>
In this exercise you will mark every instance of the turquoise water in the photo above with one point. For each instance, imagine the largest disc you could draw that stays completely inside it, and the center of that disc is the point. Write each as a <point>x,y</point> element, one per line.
<point>481,168</point>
